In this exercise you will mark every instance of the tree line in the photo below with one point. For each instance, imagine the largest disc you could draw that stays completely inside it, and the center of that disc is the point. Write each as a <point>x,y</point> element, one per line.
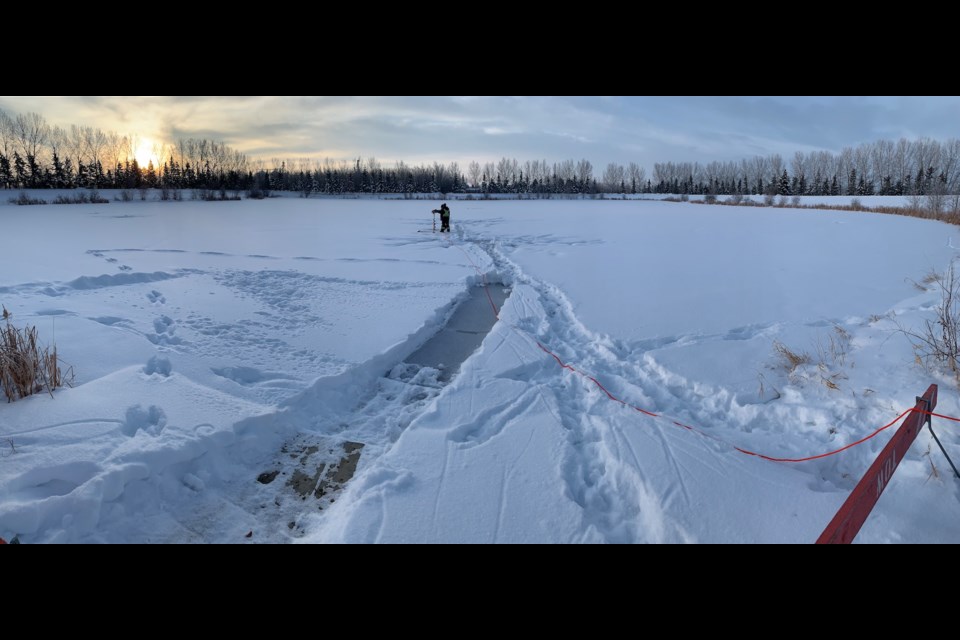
<point>36,155</point>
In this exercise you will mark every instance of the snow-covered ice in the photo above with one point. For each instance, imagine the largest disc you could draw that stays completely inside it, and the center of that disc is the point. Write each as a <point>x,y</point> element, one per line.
<point>235,361</point>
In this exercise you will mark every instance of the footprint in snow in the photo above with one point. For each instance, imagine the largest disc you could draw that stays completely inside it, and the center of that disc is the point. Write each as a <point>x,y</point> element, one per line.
<point>151,420</point>
<point>157,364</point>
<point>164,324</point>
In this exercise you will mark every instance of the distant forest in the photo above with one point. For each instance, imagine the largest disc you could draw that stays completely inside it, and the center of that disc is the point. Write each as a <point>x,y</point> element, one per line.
<point>36,155</point>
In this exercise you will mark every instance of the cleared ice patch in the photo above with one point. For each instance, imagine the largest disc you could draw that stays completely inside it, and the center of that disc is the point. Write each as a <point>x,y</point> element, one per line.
<point>463,333</point>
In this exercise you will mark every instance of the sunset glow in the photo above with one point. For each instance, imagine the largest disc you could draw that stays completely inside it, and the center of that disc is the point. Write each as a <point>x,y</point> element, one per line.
<point>144,152</point>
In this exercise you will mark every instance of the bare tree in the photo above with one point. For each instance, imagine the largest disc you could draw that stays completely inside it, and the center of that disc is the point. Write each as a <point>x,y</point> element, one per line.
<point>453,170</point>
<point>181,154</point>
<point>473,173</point>
<point>531,170</point>
<point>712,177</point>
<point>613,177</point>
<point>901,162</point>
<point>728,174</point>
<point>95,142</point>
<point>844,164</point>
<point>30,131</point>
<point>564,171</point>
<point>662,173</point>
<point>56,141</point>
<point>861,163</point>
<point>881,161</point>
<point>508,168</point>
<point>403,175</point>
<point>73,144</point>
<point>546,171</point>
<point>924,155</point>
<point>685,175</point>
<point>217,157</point>
<point>440,177</point>
<point>799,167</point>
<point>950,162</point>
<point>776,168</point>
<point>489,170</point>
<point>744,171</point>
<point>202,152</point>
<point>818,163</point>
<point>636,175</point>
<point>162,153</point>
<point>760,168</point>
<point>7,138</point>
<point>584,172</point>
<point>116,147</point>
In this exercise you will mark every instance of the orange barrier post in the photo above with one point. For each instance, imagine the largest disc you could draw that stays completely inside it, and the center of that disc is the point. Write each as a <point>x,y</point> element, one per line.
<point>854,512</point>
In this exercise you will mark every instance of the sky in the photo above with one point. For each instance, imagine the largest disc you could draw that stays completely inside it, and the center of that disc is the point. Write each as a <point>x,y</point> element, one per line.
<point>427,129</point>
<point>270,371</point>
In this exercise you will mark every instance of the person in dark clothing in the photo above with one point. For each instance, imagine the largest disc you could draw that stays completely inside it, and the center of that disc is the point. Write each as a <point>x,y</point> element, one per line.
<point>444,212</point>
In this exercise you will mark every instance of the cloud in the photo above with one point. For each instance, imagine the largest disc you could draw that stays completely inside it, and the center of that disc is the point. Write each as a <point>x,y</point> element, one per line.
<point>417,129</point>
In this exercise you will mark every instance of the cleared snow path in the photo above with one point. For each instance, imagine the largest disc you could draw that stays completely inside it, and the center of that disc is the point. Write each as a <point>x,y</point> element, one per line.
<point>315,465</point>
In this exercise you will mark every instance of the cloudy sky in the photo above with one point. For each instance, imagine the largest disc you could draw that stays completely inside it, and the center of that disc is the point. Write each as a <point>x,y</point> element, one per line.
<point>427,129</point>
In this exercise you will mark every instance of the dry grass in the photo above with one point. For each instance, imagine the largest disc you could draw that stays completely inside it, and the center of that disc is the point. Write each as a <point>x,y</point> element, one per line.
<point>913,211</point>
<point>788,358</point>
<point>934,472</point>
<point>938,342</point>
<point>832,357</point>
<point>932,277</point>
<point>829,378</point>
<point>25,366</point>
<point>926,282</point>
<point>833,351</point>
<point>762,391</point>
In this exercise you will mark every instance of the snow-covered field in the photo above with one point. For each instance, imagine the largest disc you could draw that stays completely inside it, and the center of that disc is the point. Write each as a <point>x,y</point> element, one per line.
<point>215,343</point>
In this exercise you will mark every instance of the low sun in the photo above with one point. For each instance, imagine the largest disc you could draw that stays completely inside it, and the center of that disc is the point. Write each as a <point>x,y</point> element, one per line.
<point>144,153</point>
